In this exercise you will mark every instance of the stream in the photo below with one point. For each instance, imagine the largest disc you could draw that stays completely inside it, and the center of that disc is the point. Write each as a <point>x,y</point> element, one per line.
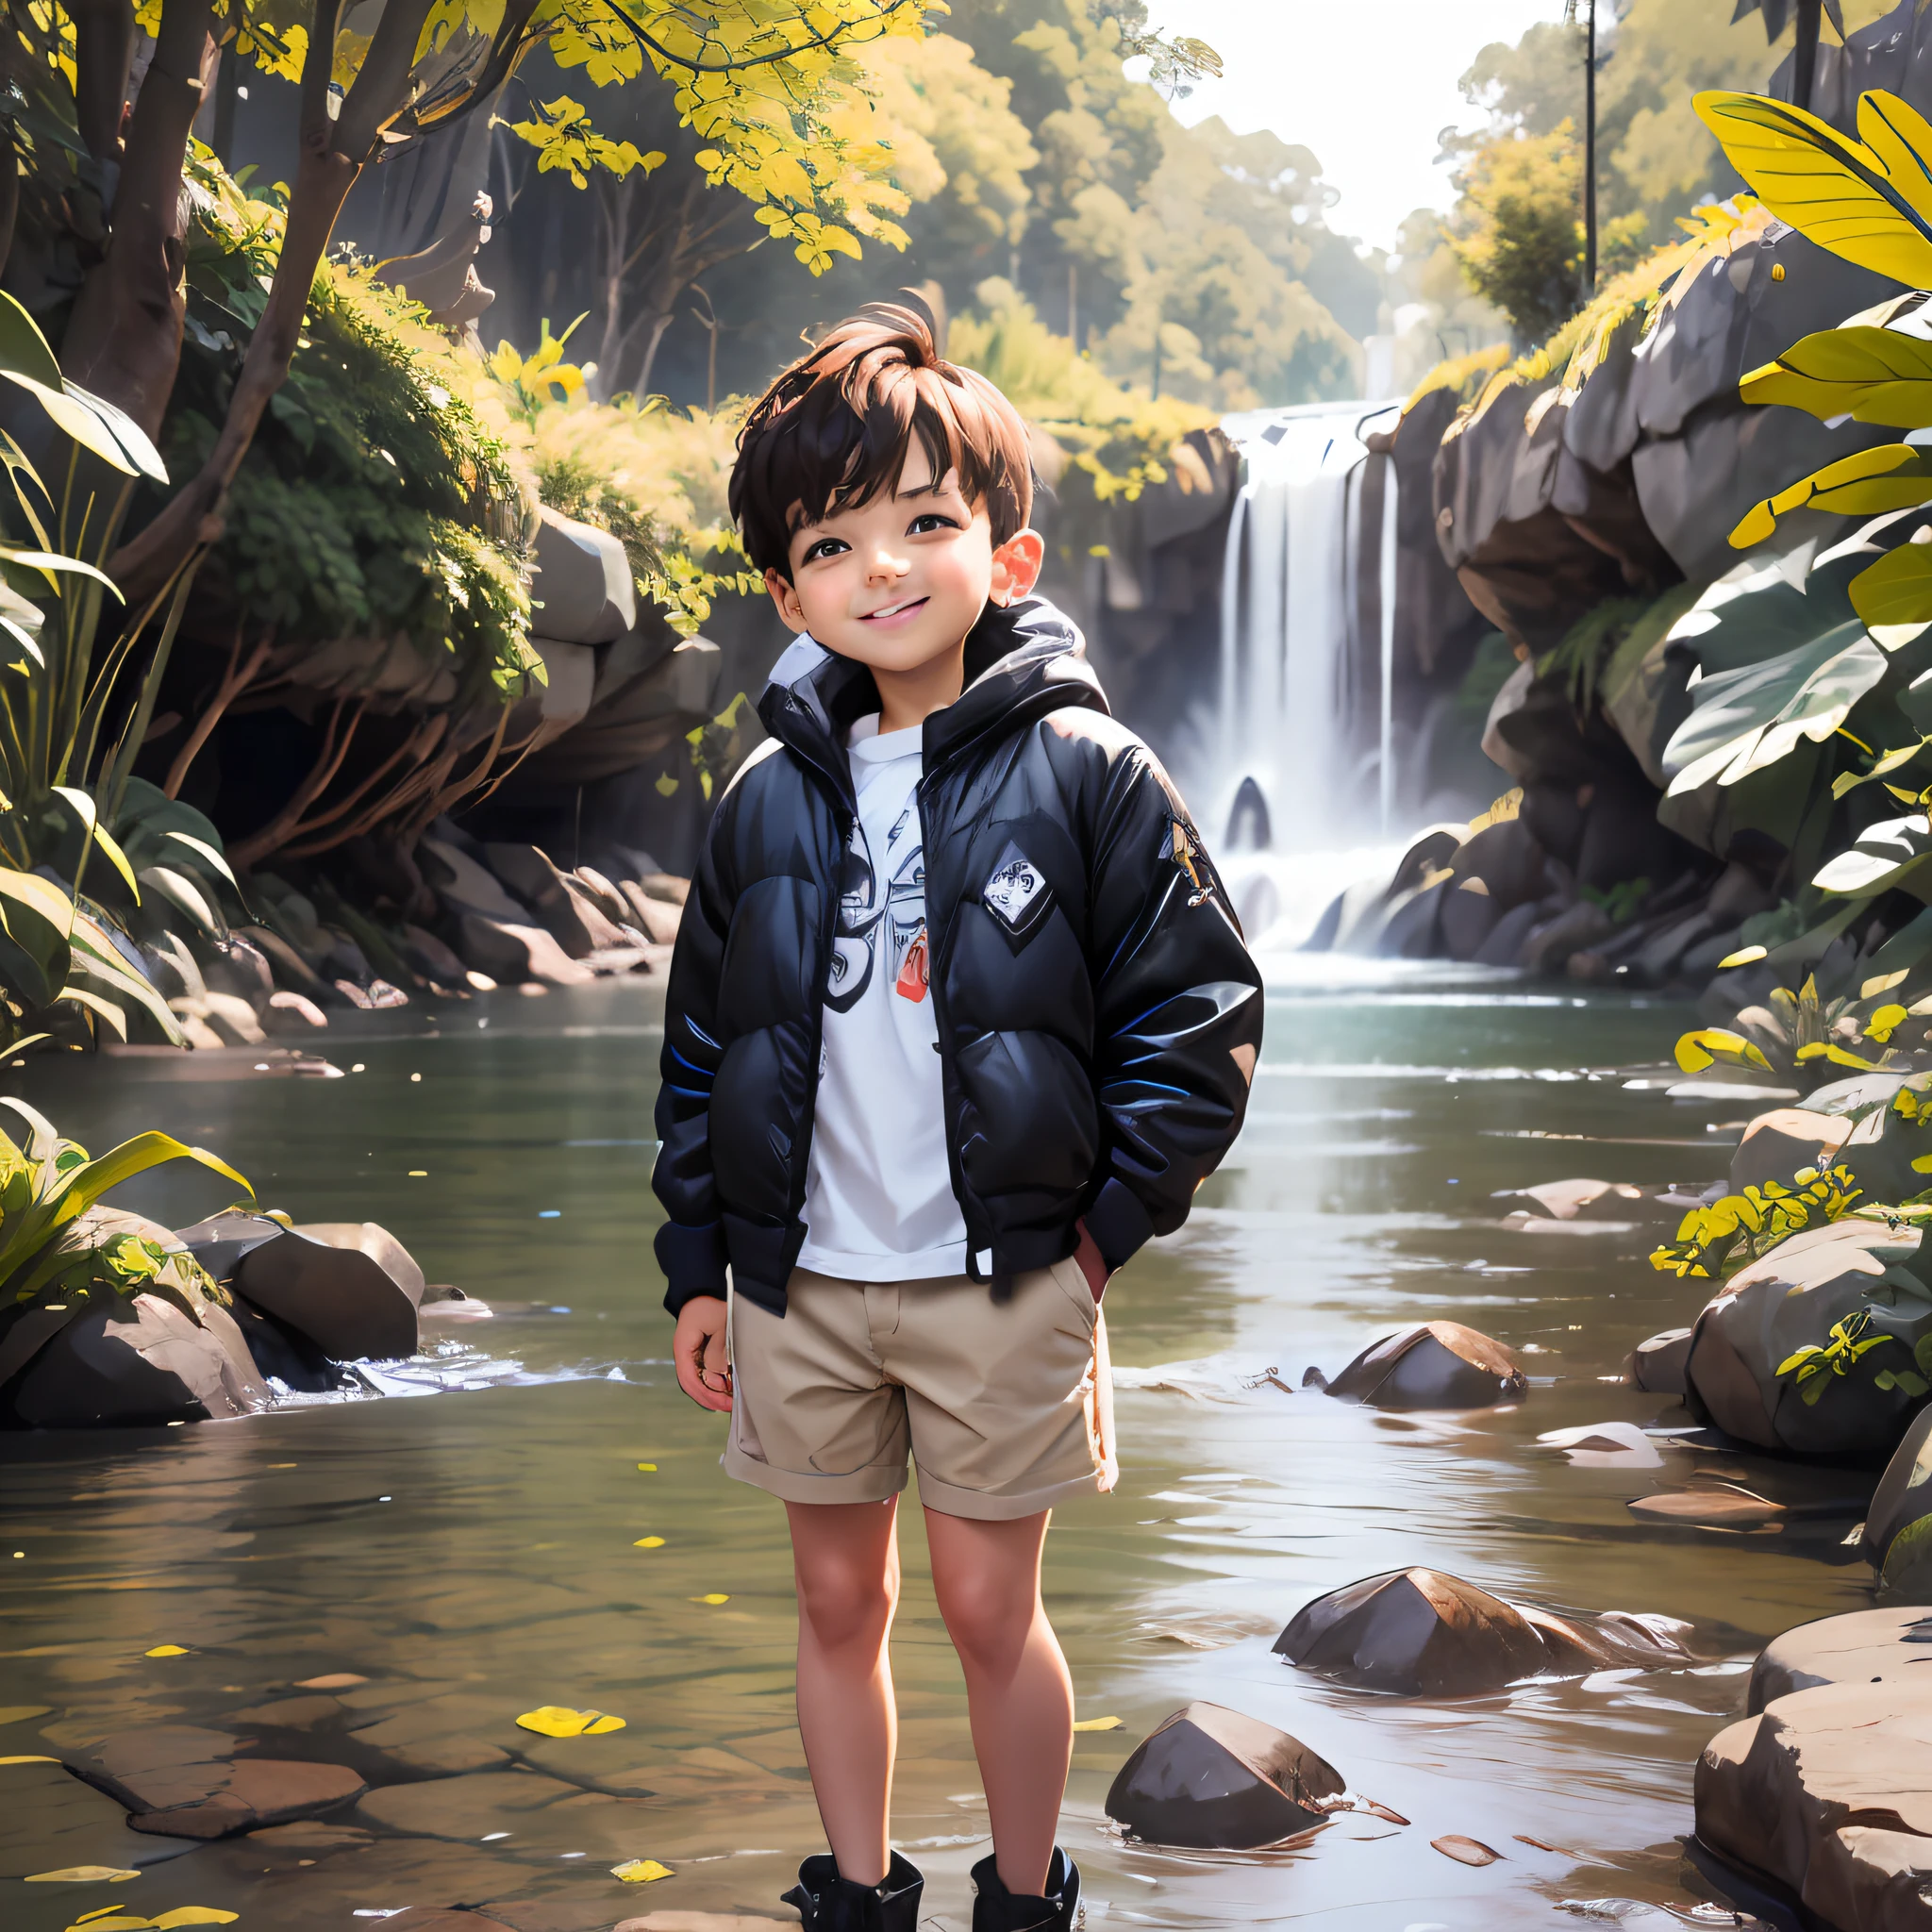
<point>468,1547</point>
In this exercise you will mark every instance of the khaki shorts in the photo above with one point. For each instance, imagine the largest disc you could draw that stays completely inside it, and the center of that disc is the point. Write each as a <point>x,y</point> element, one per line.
<point>1006,1407</point>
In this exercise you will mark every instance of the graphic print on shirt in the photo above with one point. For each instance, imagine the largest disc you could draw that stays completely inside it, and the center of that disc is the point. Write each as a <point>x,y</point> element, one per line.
<point>865,922</point>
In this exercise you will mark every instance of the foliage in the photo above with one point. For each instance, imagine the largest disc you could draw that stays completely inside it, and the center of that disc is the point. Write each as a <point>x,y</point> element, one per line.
<point>1813,1366</point>
<point>1742,1227</point>
<point>373,501</point>
<point>1118,439</point>
<point>1520,238</point>
<point>652,475</point>
<point>47,1185</point>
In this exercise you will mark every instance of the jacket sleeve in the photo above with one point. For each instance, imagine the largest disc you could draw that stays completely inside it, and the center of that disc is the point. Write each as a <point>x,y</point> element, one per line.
<point>690,1244</point>
<point>1178,1008</point>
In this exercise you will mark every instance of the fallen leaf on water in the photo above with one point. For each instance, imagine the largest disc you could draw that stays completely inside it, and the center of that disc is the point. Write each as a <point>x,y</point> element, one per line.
<point>335,1680</point>
<point>1098,1724</point>
<point>19,1713</point>
<point>649,1468</point>
<point>557,1721</point>
<point>1537,1844</point>
<point>715,1597</point>
<point>641,1871</point>
<point>1465,1851</point>
<point>111,1920</point>
<point>29,1760</point>
<point>1383,1811</point>
<point>648,1543</point>
<point>165,1650</point>
<point>82,1874</point>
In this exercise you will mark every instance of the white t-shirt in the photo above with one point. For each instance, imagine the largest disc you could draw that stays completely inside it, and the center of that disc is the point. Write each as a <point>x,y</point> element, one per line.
<point>878,1192</point>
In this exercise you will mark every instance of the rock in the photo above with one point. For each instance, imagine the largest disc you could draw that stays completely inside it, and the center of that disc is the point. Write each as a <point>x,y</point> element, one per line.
<point>1897,1540</point>
<point>464,884</point>
<point>1210,1776</point>
<point>582,589</point>
<point>1776,1144</point>
<point>1421,1633</point>
<point>377,1243</point>
<point>1656,1366</point>
<point>290,969</point>
<point>241,968</point>
<point>566,908</point>
<point>50,1821</point>
<point>512,953</point>
<point>138,1361</point>
<point>1548,947</point>
<point>1829,1793</point>
<point>1891,1646</point>
<point>1468,916</point>
<point>1503,946</point>
<point>1465,1851</point>
<point>542,1814</point>
<point>1573,1200</point>
<point>1604,1445</point>
<point>178,1781</point>
<point>346,1300</point>
<point>1814,1348</point>
<point>220,1241</point>
<point>1506,858</point>
<point>290,1013</point>
<point>434,961</point>
<point>669,886</point>
<point>1432,1365</point>
<point>656,918</point>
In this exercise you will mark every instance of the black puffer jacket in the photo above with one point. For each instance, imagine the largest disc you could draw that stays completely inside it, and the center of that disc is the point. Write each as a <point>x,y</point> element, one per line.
<point>1098,1013</point>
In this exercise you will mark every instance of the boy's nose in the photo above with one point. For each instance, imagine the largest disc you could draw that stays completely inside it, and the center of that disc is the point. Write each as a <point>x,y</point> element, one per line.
<point>885,566</point>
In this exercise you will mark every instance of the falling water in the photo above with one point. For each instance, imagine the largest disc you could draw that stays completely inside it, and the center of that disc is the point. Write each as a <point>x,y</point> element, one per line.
<point>1294,718</point>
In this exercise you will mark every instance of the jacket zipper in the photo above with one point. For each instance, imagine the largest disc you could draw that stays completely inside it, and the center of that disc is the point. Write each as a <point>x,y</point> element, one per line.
<point>937,943</point>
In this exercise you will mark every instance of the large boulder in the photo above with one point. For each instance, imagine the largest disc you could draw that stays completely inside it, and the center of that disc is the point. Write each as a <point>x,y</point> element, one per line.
<point>350,1288</point>
<point>1656,1366</point>
<point>513,951</point>
<point>179,1781</point>
<point>134,1362</point>
<point>1420,1633</point>
<point>1431,1365</point>
<point>1211,1777</point>
<point>1862,1647</point>
<point>567,908</point>
<point>1897,1538</point>
<point>1828,1793</point>
<point>1814,1349</point>
<point>582,587</point>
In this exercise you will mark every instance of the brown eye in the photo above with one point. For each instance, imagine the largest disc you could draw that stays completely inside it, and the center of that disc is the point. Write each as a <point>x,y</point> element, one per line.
<point>925,526</point>
<point>825,547</point>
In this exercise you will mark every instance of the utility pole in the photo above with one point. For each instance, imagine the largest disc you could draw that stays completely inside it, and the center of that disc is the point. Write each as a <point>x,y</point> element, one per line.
<point>1590,154</point>
<point>1804,54</point>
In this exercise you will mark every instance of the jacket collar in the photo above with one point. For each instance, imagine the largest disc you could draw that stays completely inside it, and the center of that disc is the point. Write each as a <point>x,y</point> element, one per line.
<point>1022,661</point>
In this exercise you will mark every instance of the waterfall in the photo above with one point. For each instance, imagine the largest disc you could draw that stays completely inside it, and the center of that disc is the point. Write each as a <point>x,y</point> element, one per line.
<point>1303,736</point>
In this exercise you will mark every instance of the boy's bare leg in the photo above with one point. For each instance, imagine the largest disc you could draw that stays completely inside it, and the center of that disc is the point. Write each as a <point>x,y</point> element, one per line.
<point>1018,1692</point>
<point>846,1559</point>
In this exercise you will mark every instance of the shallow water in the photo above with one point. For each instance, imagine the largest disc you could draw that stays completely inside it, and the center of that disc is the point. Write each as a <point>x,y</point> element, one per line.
<point>470,1553</point>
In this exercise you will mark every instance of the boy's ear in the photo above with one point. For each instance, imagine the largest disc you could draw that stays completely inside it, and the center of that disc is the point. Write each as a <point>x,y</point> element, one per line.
<point>784,595</point>
<point>1016,566</point>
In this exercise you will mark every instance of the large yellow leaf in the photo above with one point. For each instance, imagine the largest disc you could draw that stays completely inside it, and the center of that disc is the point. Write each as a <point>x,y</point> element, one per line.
<point>1871,375</point>
<point>1869,201</point>
<point>1897,589</point>
<point>557,1721</point>
<point>1896,475</point>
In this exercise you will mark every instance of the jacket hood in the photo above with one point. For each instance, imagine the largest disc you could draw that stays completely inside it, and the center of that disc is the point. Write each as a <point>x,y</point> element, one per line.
<point>1022,661</point>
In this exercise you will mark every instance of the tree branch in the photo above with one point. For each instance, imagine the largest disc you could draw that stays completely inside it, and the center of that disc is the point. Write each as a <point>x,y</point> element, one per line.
<point>234,681</point>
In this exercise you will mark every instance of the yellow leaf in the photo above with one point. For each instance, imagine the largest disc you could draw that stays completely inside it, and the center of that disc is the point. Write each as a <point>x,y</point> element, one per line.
<point>650,1468</point>
<point>35,1760</point>
<point>715,1597</point>
<point>648,1543</point>
<point>192,1915</point>
<point>165,1650</point>
<point>557,1721</point>
<point>1881,1025</point>
<point>77,1875</point>
<point>1882,982</point>
<point>641,1871</point>
<point>1745,956</point>
<point>1869,201</point>
<point>1098,1724</point>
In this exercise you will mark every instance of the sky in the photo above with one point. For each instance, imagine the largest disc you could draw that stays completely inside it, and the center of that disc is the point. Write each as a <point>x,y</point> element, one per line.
<point>1367,85</point>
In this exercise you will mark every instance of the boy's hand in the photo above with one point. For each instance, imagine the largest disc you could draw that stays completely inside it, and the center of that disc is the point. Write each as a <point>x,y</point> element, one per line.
<point>1087,1256</point>
<point>698,1349</point>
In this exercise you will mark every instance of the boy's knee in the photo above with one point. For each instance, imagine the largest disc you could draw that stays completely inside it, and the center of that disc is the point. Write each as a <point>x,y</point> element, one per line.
<point>988,1616</point>
<point>845,1605</point>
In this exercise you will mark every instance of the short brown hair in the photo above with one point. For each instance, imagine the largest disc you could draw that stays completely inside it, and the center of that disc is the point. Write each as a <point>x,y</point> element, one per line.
<point>834,429</point>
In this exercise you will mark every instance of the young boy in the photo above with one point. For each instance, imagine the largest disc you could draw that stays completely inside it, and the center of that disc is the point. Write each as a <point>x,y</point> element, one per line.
<point>959,1018</point>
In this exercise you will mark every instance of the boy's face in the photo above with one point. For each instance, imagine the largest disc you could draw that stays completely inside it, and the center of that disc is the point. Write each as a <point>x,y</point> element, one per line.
<point>900,581</point>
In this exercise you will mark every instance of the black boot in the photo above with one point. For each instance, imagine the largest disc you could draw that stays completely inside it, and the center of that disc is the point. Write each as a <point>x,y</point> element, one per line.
<point>828,1903</point>
<point>996,1909</point>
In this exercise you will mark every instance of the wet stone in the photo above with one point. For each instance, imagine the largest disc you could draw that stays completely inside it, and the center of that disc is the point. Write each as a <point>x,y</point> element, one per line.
<point>1897,1542</point>
<point>50,1821</point>
<point>1211,1777</point>
<point>1432,1365</point>
<point>1829,1793</point>
<point>1890,1646</point>
<point>179,1781</point>
<point>1657,1365</point>
<point>343,1299</point>
<point>541,1814</point>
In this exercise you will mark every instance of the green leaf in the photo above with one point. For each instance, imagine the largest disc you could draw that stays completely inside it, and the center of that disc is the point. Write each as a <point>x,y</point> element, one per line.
<point>124,429</point>
<point>49,563</point>
<point>83,808</point>
<point>181,892</point>
<point>80,422</point>
<point>23,347</point>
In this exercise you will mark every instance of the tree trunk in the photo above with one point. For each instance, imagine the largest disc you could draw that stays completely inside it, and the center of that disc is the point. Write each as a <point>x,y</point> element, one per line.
<point>103,59</point>
<point>124,340</point>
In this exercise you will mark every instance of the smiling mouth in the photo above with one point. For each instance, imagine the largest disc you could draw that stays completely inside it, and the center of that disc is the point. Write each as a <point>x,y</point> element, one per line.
<point>911,605</point>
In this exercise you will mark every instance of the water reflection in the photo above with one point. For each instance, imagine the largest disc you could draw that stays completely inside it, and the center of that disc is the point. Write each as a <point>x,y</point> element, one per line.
<point>467,1558</point>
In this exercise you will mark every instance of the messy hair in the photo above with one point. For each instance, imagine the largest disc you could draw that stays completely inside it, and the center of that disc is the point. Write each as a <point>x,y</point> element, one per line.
<point>836,427</point>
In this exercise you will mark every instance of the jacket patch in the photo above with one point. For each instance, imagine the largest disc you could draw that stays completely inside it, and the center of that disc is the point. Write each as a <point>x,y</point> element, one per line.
<point>1016,893</point>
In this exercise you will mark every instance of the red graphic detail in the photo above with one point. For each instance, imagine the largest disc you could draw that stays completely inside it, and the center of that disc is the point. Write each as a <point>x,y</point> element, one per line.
<point>914,974</point>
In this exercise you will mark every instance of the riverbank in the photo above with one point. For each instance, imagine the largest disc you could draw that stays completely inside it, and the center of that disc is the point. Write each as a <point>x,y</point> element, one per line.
<point>503,1571</point>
